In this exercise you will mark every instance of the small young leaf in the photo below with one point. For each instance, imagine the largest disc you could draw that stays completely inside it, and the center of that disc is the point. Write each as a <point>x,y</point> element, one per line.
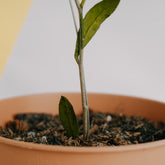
<point>68,117</point>
<point>94,18</point>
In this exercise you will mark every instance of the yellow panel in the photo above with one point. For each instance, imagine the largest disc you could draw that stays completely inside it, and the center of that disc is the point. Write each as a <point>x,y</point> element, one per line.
<point>12,15</point>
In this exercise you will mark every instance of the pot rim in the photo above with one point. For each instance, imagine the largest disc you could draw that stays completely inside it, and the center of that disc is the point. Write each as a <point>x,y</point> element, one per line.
<point>89,93</point>
<point>85,149</point>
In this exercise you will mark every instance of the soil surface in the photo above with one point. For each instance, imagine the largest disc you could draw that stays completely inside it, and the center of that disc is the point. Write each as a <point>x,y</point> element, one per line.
<point>106,130</point>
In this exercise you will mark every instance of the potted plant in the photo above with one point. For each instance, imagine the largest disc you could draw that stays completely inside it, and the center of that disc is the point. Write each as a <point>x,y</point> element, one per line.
<point>19,152</point>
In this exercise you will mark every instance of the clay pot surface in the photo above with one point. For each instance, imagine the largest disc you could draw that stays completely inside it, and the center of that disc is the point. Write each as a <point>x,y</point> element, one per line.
<point>21,153</point>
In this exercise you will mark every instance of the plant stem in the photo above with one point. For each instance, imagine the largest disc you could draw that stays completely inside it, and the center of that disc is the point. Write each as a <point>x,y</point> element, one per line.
<point>74,19</point>
<point>82,3</point>
<point>86,122</point>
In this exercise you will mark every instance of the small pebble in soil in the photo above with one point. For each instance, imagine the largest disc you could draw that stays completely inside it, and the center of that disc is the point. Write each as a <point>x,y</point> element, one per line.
<point>44,140</point>
<point>33,134</point>
<point>106,130</point>
<point>17,138</point>
<point>109,118</point>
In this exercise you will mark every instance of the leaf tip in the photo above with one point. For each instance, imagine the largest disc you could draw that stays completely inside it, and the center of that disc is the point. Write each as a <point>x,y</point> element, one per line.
<point>68,117</point>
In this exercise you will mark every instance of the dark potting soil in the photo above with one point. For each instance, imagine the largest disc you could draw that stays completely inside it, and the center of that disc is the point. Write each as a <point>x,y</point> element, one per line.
<point>106,130</point>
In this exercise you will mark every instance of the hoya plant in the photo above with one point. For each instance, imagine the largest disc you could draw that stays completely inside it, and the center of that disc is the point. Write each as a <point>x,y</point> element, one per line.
<point>87,28</point>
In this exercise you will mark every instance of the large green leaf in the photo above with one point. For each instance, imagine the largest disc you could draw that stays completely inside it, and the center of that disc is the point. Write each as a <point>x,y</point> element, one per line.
<point>94,18</point>
<point>68,117</point>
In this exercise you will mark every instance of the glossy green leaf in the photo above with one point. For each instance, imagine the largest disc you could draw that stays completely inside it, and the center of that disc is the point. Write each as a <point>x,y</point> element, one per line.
<point>94,18</point>
<point>68,117</point>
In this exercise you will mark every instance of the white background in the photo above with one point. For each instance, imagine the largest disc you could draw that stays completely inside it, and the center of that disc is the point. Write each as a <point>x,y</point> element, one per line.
<point>127,55</point>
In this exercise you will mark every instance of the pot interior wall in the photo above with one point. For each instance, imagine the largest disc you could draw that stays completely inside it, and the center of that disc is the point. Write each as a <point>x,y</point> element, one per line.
<point>48,103</point>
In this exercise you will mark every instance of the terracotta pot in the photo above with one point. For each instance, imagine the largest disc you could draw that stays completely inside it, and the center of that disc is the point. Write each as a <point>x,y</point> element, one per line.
<point>21,153</point>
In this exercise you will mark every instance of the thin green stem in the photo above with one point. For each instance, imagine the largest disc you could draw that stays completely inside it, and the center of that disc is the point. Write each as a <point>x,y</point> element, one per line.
<point>82,3</point>
<point>85,107</point>
<point>86,122</point>
<point>77,4</point>
<point>81,34</point>
<point>82,81</point>
<point>74,19</point>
